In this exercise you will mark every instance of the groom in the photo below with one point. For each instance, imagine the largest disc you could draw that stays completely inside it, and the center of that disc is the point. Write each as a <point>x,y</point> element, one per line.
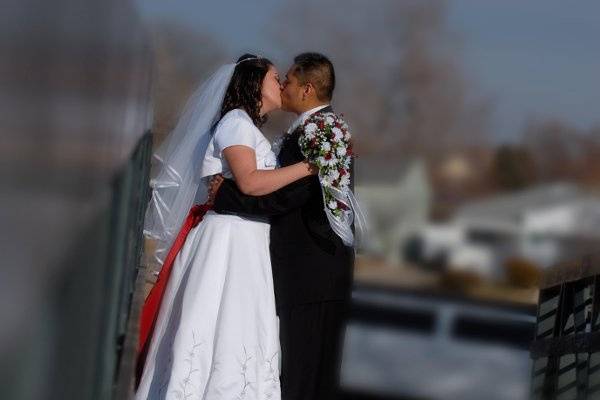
<point>312,268</point>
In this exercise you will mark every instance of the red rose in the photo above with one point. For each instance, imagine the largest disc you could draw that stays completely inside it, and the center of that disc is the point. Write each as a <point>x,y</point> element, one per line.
<point>342,171</point>
<point>328,156</point>
<point>342,205</point>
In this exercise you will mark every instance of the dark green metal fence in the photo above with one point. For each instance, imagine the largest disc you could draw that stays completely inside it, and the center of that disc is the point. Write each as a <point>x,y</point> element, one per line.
<point>130,198</point>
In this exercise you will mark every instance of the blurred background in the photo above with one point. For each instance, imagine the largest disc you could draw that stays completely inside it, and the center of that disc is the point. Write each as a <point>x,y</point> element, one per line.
<point>477,130</point>
<point>478,139</point>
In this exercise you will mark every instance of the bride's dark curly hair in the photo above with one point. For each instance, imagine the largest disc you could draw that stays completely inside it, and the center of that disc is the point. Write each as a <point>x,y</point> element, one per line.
<point>245,88</point>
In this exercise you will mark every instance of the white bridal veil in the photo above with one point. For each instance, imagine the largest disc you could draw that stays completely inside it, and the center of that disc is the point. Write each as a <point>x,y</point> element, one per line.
<point>176,184</point>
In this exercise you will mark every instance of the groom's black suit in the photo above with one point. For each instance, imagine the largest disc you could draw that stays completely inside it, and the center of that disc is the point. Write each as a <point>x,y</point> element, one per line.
<point>312,274</point>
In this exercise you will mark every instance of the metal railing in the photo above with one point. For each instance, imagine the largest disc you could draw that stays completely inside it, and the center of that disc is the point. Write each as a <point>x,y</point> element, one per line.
<point>566,348</point>
<point>130,198</point>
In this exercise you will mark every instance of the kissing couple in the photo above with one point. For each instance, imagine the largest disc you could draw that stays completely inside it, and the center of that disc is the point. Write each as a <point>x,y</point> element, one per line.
<point>256,240</point>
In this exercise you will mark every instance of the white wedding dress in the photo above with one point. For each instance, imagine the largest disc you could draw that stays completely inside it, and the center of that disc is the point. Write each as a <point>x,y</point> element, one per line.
<point>217,336</point>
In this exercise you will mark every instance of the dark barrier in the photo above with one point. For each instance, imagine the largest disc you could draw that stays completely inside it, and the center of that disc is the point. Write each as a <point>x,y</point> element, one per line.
<point>130,198</point>
<point>566,349</point>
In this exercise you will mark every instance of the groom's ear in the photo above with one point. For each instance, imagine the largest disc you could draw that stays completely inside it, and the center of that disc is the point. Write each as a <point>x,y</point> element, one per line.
<point>309,90</point>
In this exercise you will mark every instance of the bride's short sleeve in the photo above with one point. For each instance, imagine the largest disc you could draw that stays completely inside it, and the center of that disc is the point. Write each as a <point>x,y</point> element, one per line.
<point>236,128</point>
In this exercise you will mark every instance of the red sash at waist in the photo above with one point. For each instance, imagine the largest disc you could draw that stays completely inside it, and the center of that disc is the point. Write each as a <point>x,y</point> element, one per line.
<point>154,299</point>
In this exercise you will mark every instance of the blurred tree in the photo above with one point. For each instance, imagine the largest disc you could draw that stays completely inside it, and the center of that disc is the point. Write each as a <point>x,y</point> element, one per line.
<point>513,168</point>
<point>556,148</point>
<point>400,80</point>
<point>183,59</point>
<point>591,174</point>
<point>564,152</point>
<point>400,84</point>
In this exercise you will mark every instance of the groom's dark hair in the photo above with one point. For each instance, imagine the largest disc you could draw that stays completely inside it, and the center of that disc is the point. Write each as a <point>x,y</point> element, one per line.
<point>318,70</point>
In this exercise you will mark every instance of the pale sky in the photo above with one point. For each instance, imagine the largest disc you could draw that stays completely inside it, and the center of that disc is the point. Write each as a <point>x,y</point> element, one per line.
<point>534,58</point>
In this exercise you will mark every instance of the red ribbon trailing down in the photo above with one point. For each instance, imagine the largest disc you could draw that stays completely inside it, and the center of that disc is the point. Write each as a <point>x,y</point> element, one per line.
<point>154,299</point>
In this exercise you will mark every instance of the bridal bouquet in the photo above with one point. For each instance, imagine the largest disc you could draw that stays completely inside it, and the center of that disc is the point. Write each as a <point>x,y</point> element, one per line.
<point>326,143</point>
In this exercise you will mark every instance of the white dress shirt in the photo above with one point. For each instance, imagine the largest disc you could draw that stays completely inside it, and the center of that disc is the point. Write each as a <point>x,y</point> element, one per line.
<point>304,116</point>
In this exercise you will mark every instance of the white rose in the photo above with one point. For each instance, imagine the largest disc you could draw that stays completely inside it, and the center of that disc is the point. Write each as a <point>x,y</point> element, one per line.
<point>311,128</point>
<point>338,134</point>
<point>332,204</point>
<point>326,146</point>
<point>329,120</point>
<point>332,161</point>
<point>345,181</point>
<point>334,175</point>
<point>341,151</point>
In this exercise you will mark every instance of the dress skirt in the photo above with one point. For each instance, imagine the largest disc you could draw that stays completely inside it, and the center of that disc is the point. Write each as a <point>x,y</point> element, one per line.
<point>216,335</point>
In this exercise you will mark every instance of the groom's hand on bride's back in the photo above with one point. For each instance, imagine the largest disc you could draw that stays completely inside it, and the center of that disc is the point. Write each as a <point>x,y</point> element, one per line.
<point>213,187</point>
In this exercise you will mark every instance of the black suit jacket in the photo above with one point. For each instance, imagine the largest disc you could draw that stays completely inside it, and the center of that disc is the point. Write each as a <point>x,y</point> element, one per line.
<point>310,262</point>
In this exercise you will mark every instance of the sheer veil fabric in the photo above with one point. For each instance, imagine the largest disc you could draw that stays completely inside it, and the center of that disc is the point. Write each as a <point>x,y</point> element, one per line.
<point>177,182</point>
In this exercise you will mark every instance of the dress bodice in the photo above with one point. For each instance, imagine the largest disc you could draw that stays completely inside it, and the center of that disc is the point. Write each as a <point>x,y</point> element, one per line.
<point>236,128</point>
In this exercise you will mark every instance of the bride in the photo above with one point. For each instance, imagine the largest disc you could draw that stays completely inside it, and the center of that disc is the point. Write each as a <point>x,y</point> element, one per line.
<point>216,332</point>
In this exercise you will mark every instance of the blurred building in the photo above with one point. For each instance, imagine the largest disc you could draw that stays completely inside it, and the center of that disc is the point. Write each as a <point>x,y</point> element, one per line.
<point>543,225</point>
<point>396,197</point>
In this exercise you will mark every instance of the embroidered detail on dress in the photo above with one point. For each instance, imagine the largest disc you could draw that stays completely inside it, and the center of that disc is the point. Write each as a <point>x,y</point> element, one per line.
<point>215,367</point>
<point>186,383</point>
<point>272,375</point>
<point>244,370</point>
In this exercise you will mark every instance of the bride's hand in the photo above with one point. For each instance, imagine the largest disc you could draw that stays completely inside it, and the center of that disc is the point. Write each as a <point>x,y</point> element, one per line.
<point>312,168</point>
